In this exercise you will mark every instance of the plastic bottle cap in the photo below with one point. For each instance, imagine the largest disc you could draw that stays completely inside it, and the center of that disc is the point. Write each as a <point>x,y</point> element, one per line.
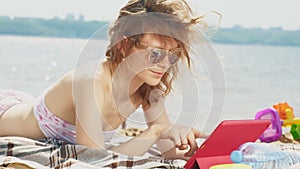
<point>236,156</point>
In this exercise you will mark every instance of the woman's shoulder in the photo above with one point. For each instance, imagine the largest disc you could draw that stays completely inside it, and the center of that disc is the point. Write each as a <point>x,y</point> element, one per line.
<point>103,72</point>
<point>100,76</point>
<point>67,78</point>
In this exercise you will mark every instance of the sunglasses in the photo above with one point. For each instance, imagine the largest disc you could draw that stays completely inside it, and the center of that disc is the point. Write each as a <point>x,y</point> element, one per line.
<point>156,55</point>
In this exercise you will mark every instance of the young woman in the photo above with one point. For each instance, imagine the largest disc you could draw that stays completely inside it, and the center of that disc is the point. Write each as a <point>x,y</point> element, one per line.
<point>88,104</point>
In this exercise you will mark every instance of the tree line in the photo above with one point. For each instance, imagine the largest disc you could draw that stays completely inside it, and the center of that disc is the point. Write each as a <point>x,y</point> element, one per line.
<point>72,28</point>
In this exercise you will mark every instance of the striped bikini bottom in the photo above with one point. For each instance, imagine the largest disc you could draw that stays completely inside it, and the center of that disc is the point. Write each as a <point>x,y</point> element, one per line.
<point>10,98</point>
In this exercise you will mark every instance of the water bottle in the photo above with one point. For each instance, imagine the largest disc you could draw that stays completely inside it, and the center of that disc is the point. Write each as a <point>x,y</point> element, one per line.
<point>262,156</point>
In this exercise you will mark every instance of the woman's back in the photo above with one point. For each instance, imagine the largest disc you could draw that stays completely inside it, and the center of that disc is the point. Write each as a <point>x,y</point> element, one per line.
<point>59,99</point>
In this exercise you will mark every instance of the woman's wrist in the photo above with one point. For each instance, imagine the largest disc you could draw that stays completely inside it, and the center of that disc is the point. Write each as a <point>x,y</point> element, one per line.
<point>158,129</point>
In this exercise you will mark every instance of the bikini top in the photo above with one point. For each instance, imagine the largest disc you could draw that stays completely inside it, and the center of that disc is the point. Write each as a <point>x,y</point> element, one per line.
<point>59,127</point>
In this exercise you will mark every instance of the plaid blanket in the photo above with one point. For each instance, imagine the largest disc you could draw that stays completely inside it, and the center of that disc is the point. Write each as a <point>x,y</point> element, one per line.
<point>51,153</point>
<point>20,152</point>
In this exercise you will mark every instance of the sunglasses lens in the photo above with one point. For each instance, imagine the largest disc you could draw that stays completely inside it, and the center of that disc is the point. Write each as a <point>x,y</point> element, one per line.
<point>174,57</point>
<point>156,55</point>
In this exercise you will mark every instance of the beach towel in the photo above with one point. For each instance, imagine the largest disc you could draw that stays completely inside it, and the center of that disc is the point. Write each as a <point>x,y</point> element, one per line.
<point>25,153</point>
<point>56,154</point>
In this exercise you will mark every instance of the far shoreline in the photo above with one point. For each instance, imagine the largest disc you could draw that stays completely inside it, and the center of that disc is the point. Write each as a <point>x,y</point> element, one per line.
<point>86,39</point>
<point>83,29</point>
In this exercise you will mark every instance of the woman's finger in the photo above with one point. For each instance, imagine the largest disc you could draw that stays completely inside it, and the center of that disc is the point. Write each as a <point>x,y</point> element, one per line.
<point>177,140</point>
<point>193,145</point>
<point>183,137</point>
<point>183,141</point>
<point>198,134</point>
<point>183,147</point>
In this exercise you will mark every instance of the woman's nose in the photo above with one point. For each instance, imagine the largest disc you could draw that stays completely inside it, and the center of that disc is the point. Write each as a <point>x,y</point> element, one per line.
<point>164,62</point>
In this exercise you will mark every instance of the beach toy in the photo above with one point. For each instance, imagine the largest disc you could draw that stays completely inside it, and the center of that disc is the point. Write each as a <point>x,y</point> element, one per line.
<point>274,131</point>
<point>284,110</point>
<point>295,131</point>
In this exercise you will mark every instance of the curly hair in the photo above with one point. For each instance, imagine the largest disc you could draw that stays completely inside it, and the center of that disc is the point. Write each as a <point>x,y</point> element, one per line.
<point>165,19</point>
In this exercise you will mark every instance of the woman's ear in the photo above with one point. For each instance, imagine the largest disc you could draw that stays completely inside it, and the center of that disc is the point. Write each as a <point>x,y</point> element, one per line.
<point>120,48</point>
<point>122,45</point>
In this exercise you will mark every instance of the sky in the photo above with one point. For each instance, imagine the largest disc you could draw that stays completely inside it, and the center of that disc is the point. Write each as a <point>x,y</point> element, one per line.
<point>246,13</point>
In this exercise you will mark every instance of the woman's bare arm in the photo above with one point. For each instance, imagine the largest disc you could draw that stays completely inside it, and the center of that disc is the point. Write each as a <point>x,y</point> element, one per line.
<point>87,97</point>
<point>140,144</point>
<point>176,141</point>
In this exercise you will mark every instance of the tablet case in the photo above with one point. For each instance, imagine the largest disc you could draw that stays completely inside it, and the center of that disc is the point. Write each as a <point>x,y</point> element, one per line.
<point>227,136</point>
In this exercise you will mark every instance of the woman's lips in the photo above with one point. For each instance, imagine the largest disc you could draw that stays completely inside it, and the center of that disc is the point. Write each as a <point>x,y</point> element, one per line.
<point>157,73</point>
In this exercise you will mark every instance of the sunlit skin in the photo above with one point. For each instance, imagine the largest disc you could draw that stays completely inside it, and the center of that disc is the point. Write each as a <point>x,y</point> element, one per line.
<point>153,74</point>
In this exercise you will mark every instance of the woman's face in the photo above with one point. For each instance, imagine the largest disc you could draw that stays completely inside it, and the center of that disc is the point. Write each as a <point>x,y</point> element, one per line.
<point>151,73</point>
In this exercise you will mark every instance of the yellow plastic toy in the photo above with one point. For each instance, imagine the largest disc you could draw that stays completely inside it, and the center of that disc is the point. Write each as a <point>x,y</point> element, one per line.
<point>231,166</point>
<point>286,113</point>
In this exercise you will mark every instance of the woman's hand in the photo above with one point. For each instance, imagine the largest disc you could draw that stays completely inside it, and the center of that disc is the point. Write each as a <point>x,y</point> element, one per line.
<point>183,137</point>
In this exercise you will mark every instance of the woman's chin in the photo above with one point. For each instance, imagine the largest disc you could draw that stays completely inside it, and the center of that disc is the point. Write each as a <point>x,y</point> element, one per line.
<point>152,82</point>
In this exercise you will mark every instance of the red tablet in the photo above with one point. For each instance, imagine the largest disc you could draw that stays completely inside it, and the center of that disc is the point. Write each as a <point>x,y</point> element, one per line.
<point>228,136</point>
